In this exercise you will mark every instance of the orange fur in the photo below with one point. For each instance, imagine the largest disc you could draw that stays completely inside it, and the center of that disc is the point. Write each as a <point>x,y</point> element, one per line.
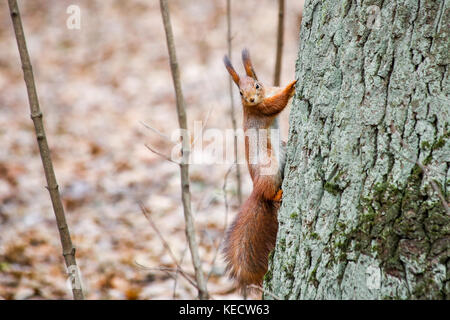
<point>248,64</point>
<point>252,234</point>
<point>250,239</point>
<point>278,195</point>
<point>276,103</point>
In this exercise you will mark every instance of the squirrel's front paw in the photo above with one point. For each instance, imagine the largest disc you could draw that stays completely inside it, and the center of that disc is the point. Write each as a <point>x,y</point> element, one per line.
<point>278,196</point>
<point>292,88</point>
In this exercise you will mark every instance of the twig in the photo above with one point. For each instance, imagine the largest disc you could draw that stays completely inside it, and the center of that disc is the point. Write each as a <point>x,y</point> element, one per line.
<point>225,291</point>
<point>162,135</point>
<point>225,224</point>
<point>279,54</point>
<point>52,185</point>
<point>203,126</point>
<point>164,242</point>
<point>184,166</point>
<point>176,274</point>
<point>162,155</point>
<point>169,271</point>
<point>233,110</point>
<point>254,286</point>
<point>423,167</point>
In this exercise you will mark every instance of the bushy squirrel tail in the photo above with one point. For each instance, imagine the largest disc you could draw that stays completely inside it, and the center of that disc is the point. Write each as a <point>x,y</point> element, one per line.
<point>250,239</point>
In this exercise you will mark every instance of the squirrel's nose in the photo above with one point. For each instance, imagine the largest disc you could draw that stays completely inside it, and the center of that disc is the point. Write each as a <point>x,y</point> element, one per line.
<point>252,100</point>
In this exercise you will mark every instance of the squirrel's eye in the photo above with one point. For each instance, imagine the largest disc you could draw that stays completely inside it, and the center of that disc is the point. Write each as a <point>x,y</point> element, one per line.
<point>257,86</point>
<point>241,93</point>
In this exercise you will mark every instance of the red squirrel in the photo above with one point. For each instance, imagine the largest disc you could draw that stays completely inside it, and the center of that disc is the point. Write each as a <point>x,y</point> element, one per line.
<point>251,236</point>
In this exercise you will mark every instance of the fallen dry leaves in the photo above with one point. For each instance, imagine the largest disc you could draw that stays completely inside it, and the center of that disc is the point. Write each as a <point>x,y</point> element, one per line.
<point>96,86</point>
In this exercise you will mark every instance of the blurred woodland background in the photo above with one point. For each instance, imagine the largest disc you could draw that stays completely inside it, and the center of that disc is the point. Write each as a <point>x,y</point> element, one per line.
<point>97,86</point>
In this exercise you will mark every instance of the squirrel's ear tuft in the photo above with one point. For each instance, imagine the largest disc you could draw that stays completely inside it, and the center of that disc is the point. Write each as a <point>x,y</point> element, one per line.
<point>231,70</point>
<point>248,64</point>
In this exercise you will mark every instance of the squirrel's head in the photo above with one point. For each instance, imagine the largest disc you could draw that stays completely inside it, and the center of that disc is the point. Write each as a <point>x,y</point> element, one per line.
<point>251,90</point>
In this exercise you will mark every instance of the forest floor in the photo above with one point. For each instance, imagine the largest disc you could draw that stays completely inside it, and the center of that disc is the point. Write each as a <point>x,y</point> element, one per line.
<point>98,86</point>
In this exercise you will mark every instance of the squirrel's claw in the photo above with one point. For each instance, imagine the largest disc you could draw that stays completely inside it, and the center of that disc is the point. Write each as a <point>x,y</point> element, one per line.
<point>278,196</point>
<point>291,87</point>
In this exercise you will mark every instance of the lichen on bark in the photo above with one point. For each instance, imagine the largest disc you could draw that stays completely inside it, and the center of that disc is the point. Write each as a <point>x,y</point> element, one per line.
<point>359,218</point>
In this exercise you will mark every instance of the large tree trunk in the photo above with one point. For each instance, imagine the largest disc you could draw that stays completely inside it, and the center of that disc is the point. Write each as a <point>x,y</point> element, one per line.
<point>360,218</point>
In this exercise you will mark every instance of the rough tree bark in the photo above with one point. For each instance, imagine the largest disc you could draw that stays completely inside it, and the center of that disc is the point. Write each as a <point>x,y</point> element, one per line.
<point>360,219</point>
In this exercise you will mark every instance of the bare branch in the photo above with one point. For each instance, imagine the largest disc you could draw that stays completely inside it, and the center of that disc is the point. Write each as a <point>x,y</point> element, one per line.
<point>176,274</point>
<point>205,121</point>
<point>162,135</point>
<point>164,243</point>
<point>52,185</point>
<point>225,224</point>
<point>254,286</point>
<point>279,54</point>
<point>233,110</point>
<point>184,167</point>
<point>280,35</point>
<point>162,155</point>
<point>169,271</point>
